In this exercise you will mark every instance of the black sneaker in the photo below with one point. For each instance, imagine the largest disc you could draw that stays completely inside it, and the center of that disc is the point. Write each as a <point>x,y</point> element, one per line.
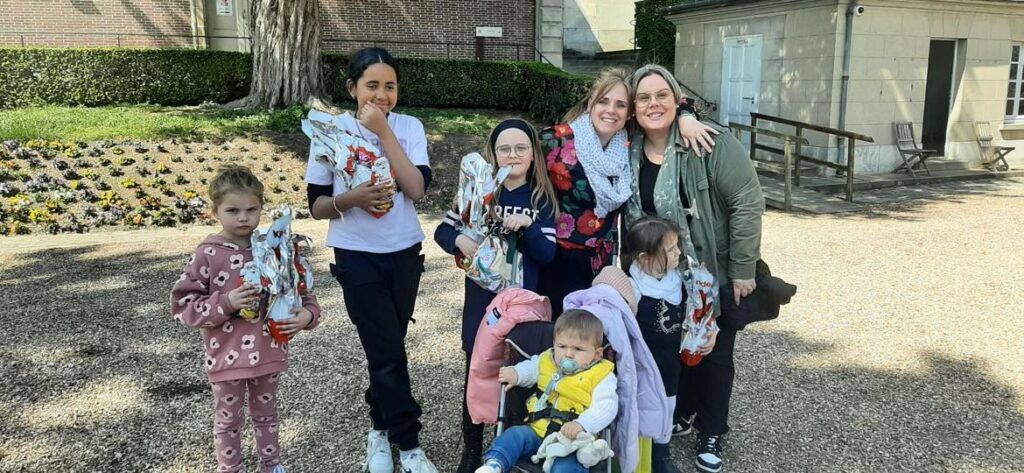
<point>709,453</point>
<point>683,426</point>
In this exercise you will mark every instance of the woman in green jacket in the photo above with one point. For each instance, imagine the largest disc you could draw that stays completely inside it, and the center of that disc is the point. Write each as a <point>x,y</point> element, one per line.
<point>717,202</point>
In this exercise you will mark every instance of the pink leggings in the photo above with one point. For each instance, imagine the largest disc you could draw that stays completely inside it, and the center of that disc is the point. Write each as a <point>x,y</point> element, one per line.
<point>229,418</point>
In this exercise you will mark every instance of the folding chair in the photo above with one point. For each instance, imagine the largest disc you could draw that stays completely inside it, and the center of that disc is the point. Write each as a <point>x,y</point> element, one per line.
<point>907,145</point>
<point>991,153</point>
<point>524,341</point>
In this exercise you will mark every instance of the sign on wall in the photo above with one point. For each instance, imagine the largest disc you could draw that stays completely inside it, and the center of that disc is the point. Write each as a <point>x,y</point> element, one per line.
<point>225,7</point>
<point>488,31</point>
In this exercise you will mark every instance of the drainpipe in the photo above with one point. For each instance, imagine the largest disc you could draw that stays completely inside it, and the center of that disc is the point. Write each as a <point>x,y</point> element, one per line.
<point>847,43</point>
<point>851,10</point>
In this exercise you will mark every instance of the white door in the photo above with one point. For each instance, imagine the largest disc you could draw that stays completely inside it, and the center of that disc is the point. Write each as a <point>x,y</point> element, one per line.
<point>222,25</point>
<point>741,78</point>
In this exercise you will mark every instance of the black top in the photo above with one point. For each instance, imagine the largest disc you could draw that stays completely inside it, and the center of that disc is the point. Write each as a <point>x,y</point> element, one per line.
<point>648,176</point>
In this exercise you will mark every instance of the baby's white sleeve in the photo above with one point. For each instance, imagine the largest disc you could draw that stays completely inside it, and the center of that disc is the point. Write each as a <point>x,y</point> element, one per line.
<point>604,406</point>
<point>528,371</point>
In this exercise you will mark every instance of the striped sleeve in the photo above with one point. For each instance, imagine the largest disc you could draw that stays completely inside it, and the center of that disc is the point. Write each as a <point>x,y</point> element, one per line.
<point>446,232</point>
<point>538,242</point>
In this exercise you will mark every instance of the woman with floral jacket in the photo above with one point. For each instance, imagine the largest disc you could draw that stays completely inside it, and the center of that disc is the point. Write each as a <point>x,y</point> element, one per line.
<point>587,157</point>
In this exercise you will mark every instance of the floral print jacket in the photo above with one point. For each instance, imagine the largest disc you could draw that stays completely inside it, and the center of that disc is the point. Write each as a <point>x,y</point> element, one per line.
<point>577,227</point>
<point>235,348</point>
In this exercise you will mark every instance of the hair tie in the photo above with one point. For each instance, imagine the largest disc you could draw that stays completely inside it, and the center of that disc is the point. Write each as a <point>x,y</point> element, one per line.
<point>516,123</point>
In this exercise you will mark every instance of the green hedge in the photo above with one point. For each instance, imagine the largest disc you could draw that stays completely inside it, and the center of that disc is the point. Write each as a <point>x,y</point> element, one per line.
<point>188,77</point>
<point>551,91</point>
<point>117,76</point>
<point>541,90</point>
<point>655,36</point>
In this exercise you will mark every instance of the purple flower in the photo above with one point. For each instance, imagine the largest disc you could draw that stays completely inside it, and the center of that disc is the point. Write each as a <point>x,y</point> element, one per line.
<point>564,226</point>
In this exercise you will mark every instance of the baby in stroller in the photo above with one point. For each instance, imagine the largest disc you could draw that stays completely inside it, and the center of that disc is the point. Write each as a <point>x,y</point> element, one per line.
<point>575,394</point>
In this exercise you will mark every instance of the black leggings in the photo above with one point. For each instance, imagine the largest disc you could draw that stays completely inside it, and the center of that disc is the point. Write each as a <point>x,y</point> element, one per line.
<point>705,389</point>
<point>380,296</point>
<point>472,434</point>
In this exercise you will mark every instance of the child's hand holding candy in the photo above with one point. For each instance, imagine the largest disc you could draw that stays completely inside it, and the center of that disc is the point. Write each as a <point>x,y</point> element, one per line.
<point>301,318</point>
<point>245,296</point>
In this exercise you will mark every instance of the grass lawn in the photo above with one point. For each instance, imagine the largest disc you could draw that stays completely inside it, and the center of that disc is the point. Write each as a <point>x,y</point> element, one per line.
<point>151,122</point>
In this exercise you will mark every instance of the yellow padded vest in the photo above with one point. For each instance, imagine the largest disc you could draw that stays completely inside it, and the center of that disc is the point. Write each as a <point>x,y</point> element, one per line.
<point>572,394</point>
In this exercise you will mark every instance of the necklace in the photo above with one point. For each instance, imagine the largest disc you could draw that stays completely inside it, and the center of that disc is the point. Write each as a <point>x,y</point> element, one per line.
<point>662,319</point>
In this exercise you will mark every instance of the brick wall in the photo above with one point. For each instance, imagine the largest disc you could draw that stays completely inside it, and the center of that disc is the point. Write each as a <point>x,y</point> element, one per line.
<point>51,22</point>
<point>393,23</point>
<point>402,26</point>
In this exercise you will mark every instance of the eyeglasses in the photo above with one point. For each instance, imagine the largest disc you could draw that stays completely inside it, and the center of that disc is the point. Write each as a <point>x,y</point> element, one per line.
<point>505,151</point>
<point>664,97</point>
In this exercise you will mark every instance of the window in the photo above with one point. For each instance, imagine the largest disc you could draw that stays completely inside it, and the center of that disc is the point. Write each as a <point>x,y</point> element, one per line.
<point>1015,90</point>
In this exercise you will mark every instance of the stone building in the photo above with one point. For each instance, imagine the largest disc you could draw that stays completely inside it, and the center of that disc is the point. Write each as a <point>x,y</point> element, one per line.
<point>943,65</point>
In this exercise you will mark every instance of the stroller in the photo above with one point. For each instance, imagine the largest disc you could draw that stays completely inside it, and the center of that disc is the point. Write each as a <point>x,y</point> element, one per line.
<point>525,340</point>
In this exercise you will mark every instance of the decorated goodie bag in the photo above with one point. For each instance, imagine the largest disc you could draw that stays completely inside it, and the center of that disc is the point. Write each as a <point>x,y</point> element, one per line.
<point>279,270</point>
<point>496,264</point>
<point>350,157</point>
<point>699,322</point>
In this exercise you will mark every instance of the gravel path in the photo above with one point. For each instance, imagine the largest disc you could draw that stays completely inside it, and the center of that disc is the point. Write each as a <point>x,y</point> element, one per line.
<point>902,351</point>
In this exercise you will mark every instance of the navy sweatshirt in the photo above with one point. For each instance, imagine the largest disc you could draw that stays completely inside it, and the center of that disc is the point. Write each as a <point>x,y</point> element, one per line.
<point>536,247</point>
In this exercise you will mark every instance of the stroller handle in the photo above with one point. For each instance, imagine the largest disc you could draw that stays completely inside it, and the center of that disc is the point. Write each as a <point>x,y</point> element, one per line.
<point>501,409</point>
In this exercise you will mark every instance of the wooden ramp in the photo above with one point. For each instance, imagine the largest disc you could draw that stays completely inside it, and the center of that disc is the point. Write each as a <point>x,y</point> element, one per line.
<point>804,199</point>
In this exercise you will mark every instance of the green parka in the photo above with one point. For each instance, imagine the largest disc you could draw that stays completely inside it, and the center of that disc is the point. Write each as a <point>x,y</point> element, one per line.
<point>723,189</point>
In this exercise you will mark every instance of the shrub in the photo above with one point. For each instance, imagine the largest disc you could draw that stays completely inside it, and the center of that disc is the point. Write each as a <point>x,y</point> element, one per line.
<point>190,77</point>
<point>109,76</point>
<point>552,91</point>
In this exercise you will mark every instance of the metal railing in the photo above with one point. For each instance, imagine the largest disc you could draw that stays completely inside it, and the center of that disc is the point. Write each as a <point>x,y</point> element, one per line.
<point>459,46</point>
<point>116,37</point>
<point>445,49</point>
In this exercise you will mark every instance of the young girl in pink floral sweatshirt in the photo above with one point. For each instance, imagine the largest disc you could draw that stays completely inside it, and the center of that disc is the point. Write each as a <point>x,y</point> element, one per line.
<point>241,356</point>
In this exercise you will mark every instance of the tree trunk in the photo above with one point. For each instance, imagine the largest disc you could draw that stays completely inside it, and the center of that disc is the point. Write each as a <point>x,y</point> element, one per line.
<point>286,66</point>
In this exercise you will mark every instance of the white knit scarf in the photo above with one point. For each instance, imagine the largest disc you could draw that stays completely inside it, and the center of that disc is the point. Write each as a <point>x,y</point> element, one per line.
<point>669,288</point>
<point>607,169</point>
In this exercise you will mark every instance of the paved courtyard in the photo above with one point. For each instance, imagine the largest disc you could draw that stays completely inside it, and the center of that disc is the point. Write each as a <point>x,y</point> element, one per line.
<point>903,350</point>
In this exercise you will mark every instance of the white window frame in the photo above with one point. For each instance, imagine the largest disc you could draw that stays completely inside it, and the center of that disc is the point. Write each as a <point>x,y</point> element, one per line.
<point>1018,80</point>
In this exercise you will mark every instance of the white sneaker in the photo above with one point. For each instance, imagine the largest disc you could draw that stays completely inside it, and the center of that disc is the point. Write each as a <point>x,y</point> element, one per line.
<point>378,453</point>
<point>492,466</point>
<point>417,463</point>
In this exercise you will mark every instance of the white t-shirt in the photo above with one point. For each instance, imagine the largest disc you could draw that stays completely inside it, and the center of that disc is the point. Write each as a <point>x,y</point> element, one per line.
<point>359,230</point>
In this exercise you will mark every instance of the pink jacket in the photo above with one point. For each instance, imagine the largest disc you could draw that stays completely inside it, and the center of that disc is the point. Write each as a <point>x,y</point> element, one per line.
<point>235,348</point>
<point>508,309</point>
